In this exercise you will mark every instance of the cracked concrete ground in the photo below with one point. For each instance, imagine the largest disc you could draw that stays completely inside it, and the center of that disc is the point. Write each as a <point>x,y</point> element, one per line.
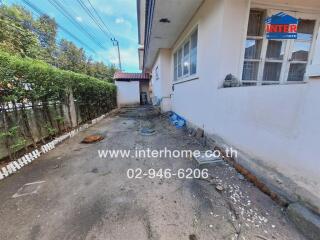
<point>78,195</point>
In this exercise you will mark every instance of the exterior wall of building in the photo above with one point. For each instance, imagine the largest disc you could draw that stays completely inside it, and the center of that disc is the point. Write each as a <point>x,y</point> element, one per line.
<point>161,80</point>
<point>314,68</point>
<point>128,93</point>
<point>155,81</point>
<point>277,125</point>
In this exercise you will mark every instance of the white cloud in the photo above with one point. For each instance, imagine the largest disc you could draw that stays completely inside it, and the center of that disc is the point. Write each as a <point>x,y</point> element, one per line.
<point>119,20</point>
<point>125,7</point>
<point>79,19</point>
<point>106,10</point>
<point>124,22</point>
<point>129,58</point>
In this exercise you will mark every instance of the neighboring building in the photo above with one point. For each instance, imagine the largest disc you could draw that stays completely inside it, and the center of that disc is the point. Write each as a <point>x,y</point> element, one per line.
<point>190,46</point>
<point>132,88</point>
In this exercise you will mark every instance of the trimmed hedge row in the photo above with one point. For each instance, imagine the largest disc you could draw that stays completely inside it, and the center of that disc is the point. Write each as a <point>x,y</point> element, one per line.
<point>25,80</point>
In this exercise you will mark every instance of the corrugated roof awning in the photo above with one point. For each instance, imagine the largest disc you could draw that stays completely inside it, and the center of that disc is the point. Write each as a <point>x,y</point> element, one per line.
<point>121,76</point>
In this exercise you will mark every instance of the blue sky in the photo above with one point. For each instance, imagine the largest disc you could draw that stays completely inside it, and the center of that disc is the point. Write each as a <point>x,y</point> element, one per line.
<point>119,15</point>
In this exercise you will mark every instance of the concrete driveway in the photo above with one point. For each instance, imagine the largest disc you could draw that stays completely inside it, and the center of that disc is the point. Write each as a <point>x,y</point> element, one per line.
<point>72,193</point>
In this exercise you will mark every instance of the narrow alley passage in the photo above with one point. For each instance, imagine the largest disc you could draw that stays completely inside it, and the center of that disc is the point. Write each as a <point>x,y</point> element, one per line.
<point>75,194</point>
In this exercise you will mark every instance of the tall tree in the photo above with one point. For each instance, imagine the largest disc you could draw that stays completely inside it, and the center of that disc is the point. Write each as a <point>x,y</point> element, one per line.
<point>17,33</point>
<point>47,33</point>
<point>37,38</point>
<point>70,57</point>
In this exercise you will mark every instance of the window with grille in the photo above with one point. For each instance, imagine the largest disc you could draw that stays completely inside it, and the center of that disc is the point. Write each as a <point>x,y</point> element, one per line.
<point>276,61</point>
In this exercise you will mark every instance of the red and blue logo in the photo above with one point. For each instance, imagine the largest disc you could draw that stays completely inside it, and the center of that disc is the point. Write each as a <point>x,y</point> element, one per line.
<point>281,26</point>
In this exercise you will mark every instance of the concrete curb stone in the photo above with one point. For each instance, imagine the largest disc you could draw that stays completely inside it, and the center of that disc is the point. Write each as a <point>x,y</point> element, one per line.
<point>305,220</point>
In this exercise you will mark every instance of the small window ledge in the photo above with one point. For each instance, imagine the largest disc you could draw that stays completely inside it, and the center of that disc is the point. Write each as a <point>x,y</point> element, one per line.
<point>313,71</point>
<point>187,79</point>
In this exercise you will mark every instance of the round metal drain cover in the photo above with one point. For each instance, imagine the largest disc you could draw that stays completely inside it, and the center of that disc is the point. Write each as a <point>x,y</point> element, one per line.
<point>147,131</point>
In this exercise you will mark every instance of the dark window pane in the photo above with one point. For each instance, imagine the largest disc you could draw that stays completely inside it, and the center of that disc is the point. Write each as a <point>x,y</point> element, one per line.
<point>305,29</point>
<point>301,51</point>
<point>186,60</point>
<point>193,61</point>
<point>193,52</point>
<point>271,71</point>
<point>249,84</point>
<point>253,49</point>
<point>194,39</point>
<point>270,83</point>
<point>296,71</point>
<point>180,62</point>
<point>275,50</point>
<point>250,70</point>
<point>175,66</point>
<point>255,25</point>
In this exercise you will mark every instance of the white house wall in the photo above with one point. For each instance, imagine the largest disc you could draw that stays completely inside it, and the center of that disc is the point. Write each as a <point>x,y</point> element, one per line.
<point>155,80</point>
<point>314,68</point>
<point>161,82</point>
<point>128,93</point>
<point>277,125</point>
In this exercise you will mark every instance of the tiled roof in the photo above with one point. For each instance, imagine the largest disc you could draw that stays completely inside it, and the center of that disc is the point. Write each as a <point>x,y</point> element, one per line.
<point>128,76</point>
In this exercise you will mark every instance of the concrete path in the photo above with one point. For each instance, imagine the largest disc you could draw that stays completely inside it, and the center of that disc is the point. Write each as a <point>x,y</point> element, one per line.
<point>71,193</point>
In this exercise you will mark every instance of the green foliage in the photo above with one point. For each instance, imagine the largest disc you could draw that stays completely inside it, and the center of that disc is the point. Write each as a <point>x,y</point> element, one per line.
<point>46,29</point>
<point>17,35</point>
<point>28,80</point>
<point>10,133</point>
<point>35,69</point>
<point>59,119</point>
<point>25,36</point>
<point>101,71</point>
<point>16,142</point>
<point>51,131</point>
<point>71,58</point>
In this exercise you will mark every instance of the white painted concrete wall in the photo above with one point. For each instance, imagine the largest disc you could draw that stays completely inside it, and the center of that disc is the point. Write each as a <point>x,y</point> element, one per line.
<point>128,93</point>
<point>161,87</point>
<point>314,69</point>
<point>276,125</point>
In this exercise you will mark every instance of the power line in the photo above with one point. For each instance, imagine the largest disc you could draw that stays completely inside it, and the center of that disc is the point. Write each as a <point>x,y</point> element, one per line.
<point>57,4</point>
<point>62,10</point>
<point>96,12</point>
<point>114,41</point>
<point>88,11</point>
<point>96,21</point>
<point>39,12</point>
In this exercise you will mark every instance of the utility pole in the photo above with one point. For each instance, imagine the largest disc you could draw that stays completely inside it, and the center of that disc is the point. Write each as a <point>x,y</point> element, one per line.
<point>116,43</point>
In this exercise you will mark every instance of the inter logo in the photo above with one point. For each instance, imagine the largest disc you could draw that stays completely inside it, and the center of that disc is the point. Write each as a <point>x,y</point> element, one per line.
<point>281,26</point>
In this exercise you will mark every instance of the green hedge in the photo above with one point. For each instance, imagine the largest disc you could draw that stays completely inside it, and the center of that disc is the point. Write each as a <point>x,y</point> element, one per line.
<point>29,80</point>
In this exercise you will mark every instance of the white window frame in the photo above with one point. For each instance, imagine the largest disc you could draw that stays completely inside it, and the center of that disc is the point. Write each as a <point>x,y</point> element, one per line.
<point>287,51</point>
<point>183,76</point>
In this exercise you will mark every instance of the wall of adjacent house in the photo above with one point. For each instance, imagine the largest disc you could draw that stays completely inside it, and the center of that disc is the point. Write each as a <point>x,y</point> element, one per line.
<point>277,125</point>
<point>128,93</point>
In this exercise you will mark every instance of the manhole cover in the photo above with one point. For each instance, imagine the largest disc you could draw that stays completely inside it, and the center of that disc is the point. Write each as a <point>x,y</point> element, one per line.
<point>147,131</point>
<point>92,139</point>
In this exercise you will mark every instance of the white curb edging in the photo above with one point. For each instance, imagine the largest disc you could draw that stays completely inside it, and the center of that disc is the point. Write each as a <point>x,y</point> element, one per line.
<point>15,165</point>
